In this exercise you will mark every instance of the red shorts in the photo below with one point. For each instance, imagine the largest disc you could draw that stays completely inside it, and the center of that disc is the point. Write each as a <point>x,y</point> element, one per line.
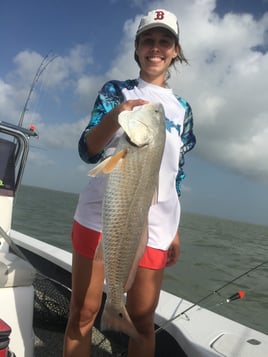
<point>86,240</point>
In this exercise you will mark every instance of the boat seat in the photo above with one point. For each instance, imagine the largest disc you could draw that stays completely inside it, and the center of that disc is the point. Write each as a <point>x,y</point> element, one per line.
<point>237,346</point>
<point>15,271</point>
<point>17,302</point>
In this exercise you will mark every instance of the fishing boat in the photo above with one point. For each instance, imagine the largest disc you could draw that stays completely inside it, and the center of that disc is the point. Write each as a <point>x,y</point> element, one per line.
<point>35,288</point>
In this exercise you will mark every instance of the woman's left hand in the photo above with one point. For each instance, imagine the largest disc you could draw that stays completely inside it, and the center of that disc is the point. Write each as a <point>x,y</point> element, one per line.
<point>174,251</point>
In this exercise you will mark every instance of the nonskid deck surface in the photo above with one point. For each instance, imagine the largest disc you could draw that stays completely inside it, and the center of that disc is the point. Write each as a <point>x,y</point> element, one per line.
<point>51,308</point>
<point>50,344</point>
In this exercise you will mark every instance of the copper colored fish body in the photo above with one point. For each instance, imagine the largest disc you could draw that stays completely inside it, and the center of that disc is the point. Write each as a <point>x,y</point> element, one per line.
<point>131,188</point>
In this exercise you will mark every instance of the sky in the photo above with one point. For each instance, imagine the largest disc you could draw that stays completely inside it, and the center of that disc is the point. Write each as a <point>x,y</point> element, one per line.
<point>88,43</point>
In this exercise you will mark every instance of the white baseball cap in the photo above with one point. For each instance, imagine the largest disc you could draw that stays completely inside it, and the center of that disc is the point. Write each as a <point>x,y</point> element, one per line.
<point>159,18</point>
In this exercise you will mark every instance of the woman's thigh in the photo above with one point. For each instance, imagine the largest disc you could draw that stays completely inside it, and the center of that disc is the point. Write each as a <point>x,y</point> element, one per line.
<point>143,296</point>
<point>87,283</point>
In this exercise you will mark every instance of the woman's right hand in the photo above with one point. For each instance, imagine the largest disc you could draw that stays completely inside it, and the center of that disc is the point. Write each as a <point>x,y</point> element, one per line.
<point>129,105</point>
<point>99,136</point>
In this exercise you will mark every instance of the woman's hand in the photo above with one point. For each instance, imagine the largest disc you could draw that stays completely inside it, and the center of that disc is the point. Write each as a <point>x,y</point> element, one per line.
<point>129,105</point>
<point>101,134</point>
<point>174,251</point>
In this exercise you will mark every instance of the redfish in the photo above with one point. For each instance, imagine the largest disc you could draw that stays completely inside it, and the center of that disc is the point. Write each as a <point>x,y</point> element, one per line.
<point>132,186</point>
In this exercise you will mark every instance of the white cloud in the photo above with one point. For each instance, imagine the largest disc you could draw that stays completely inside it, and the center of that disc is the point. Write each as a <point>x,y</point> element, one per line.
<point>64,70</point>
<point>26,63</point>
<point>6,103</point>
<point>39,158</point>
<point>62,136</point>
<point>225,83</point>
<point>86,90</point>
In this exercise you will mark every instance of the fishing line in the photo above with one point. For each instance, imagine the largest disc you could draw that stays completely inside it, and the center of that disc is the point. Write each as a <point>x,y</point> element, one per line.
<point>36,102</point>
<point>240,294</point>
<point>43,65</point>
<point>209,295</point>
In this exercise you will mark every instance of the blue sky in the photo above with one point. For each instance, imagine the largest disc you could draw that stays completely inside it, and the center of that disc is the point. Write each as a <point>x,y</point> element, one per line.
<point>226,43</point>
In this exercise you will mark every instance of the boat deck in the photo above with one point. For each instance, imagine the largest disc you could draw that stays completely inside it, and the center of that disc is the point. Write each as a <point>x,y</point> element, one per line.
<point>51,309</point>
<point>50,344</point>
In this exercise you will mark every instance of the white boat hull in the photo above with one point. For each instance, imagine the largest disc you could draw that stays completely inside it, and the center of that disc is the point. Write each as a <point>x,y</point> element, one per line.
<point>199,332</point>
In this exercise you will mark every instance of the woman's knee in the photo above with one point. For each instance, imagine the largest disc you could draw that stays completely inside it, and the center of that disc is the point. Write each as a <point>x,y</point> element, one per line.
<point>143,320</point>
<point>84,314</point>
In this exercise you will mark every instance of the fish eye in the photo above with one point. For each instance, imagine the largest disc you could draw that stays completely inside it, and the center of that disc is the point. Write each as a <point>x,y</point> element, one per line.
<point>120,315</point>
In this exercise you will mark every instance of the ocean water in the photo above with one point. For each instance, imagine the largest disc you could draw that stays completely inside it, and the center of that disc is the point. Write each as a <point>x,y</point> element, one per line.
<point>214,251</point>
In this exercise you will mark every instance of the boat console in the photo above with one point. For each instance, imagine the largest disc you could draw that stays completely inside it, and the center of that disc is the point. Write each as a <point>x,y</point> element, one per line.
<point>16,274</point>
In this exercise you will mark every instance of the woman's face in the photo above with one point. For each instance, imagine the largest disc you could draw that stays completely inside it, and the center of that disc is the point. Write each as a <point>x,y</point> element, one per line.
<point>155,48</point>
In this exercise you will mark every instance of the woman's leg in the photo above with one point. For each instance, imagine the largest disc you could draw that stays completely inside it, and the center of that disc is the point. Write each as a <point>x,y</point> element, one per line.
<point>142,300</point>
<point>87,285</point>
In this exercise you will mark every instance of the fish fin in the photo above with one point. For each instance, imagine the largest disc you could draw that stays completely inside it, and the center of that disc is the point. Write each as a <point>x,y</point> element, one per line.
<point>98,256</point>
<point>107,165</point>
<point>138,256</point>
<point>118,320</point>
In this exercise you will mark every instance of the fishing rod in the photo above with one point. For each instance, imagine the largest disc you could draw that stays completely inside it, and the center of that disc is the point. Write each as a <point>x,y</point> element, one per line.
<point>238,295</point>
<point>43,65</point>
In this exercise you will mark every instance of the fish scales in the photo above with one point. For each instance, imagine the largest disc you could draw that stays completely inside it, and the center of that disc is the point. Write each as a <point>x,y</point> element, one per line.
<point>128,195</point>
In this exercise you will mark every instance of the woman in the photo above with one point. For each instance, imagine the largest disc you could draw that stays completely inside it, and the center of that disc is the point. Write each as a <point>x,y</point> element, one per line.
<point>156,49</point>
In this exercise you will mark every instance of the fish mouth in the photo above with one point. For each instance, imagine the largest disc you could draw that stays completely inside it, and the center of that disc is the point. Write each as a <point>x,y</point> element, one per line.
<point>134,144</point>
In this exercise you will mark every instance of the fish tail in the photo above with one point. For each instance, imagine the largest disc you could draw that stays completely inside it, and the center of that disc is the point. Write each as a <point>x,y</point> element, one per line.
<point>118,320</point>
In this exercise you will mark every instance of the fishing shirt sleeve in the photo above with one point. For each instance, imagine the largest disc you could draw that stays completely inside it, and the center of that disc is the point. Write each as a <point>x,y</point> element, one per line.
<point>108,98</point>
<point>189,140</point>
